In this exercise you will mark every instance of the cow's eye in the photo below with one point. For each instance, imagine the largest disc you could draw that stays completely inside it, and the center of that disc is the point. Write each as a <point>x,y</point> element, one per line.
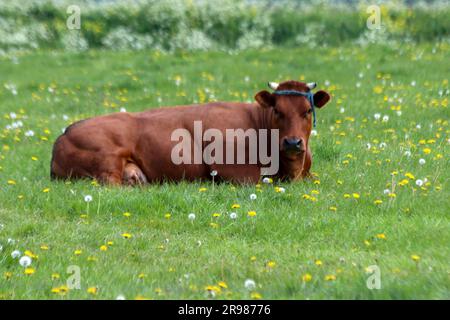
<point>307,113</point>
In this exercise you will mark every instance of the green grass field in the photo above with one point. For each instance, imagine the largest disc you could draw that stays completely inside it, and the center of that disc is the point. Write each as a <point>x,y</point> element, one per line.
<point>365,205</point>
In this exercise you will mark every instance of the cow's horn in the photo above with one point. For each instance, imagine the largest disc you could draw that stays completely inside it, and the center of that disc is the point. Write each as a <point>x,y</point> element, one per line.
<point>273,85</point>
<point>311,85</point>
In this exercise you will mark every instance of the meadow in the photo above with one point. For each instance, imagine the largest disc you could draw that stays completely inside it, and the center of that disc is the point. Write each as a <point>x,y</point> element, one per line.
<point>379,195</point>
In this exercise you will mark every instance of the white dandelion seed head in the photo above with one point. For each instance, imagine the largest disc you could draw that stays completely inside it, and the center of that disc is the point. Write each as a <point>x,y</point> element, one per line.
<point>383,145</point>
<point>233,215</point>
<point>358,84</point>
<point>266,180</point>
<point>213,173</point>
<point>120,297</point>
<point>413,83</point>
<point>11,241</point>
<point>15,254</point>
<point>399,113</point>
<point>250,284</point>
<point>281,189</point>
<point>385,118</point>
<point>12,115</point>
<point>422,161</point>
<point>191,216</point>
<point>377,116</point>
<point>419,182</point>
<point>341,110</point>
<point>327,83</point>
<point>407,153</point>
<point>368,146</point>
<point>314,133</point>
<point>29,133</point>
<point>25,261</point>
<point>386,191</point>
<point>1,248</point>
<point>253,196</point>
<point>88,198</point>
<point>65,117</point>
<point>123,109</point>
<point>418,126</point>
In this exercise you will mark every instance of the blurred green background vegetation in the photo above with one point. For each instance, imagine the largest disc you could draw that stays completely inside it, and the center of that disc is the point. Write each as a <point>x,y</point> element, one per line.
<point>216,24</point>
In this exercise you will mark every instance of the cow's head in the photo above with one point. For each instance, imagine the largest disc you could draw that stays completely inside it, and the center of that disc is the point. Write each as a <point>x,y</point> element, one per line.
<point>292,113</point>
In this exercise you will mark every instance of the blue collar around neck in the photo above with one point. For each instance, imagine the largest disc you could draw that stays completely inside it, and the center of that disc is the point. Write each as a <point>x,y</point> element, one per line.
<point>309,95</point>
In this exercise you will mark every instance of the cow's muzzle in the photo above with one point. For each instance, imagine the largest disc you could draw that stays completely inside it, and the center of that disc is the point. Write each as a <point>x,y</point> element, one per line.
<point>293,145</point>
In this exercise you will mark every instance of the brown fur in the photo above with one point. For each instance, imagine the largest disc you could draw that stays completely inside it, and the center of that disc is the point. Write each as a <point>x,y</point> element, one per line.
<point>135,148</point>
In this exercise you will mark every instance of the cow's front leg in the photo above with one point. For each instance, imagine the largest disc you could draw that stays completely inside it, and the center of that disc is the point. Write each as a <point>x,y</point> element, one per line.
<point>133,175</point>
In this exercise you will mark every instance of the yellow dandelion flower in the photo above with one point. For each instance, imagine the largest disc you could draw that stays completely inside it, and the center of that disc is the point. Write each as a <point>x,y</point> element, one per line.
<point>378,201</point>
<point>34,158</point>
<point>214,225</point>
<point>77,252</point>
<point>127,214</point>
<point>318,262</point>
<point>381,236</point>
<point>307,277</point>
<point>46,190</point>
<point>11,182</point>
<point>216,215</point>
<point>44,247</point>
<point>7,275</point>
<point>333,208</point>
<point>29,271</point>
<point>103,248</point>
<point>415,257</point>
<point>330,277</point>
<point>92,290</point>
<point>253,258</point>
<point>215,289</point>
<point>235,206</point>
<point>223,284</point>
<point>356,195</point>
<point>251,213</point>
<point>378,89</point>
<point>127,235</point>
<point>427,150</point>
<point>271,264</point>
<point>55,290</point>
<point>409,175</point>
<point>255,296</point>
<point>202,189</point>
<point>55,276</point>
<point>167,215</point>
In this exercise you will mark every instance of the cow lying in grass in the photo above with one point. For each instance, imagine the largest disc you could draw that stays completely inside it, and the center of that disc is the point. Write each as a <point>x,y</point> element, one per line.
<point>151,146</point>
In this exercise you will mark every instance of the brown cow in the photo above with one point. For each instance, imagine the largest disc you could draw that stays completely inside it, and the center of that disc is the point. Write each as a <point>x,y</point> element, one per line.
<point>137,148</point>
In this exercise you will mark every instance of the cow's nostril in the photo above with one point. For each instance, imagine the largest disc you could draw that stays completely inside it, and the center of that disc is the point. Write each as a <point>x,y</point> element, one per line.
<point>292,144</point>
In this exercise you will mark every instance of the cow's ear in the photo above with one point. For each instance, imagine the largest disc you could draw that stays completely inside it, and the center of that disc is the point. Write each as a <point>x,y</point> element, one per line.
<point>265,99</point>
<point>321,98</point>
